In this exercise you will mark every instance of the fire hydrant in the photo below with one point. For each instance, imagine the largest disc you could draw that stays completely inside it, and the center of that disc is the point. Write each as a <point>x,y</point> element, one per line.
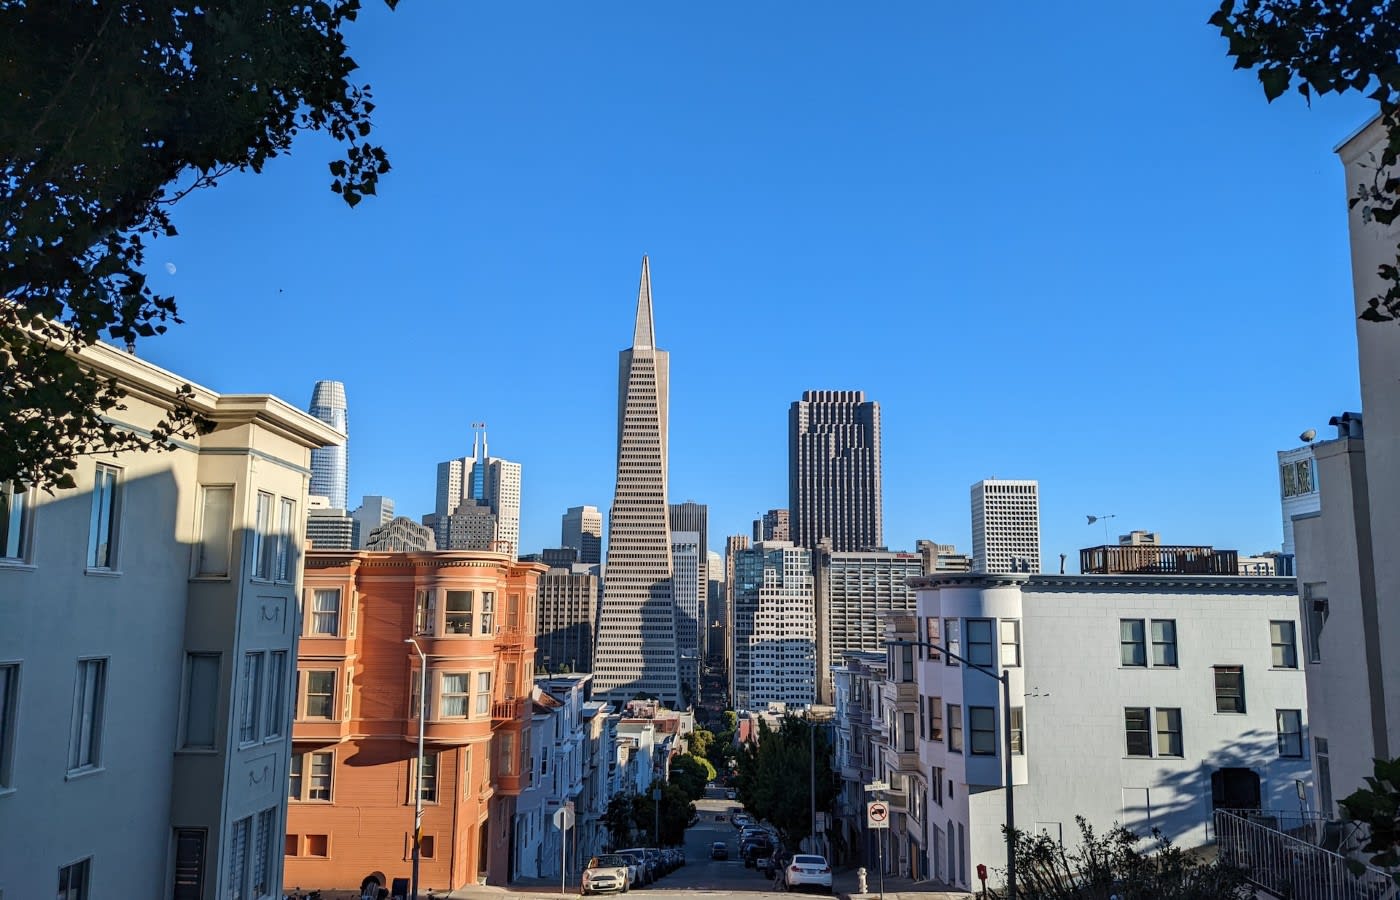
<point>860,880</point>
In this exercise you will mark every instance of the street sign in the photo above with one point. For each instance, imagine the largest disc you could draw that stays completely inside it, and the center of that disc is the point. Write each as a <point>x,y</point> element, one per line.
<point>820,825</point>
<point>564,818</point>
<point>877,786</point>
<point>877,814</point>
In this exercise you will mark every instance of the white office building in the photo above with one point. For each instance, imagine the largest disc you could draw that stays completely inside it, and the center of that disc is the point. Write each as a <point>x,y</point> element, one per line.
<point>582,529</point>
<point>775,643</point>
<point>486,481</point>
<point>147,653</point>
<point>1145,700</point>
<point>855,590</point>
<point>373,512</point>
<point>1006,526</point>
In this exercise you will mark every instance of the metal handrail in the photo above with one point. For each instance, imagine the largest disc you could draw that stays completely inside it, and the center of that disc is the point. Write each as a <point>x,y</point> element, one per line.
<point>1288,867</point>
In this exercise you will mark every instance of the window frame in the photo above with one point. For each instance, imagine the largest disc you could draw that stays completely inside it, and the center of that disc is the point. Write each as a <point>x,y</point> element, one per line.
<point>1142,733</point>
<point>1018,731</point>
<point>465,697</point>
<point>1284,735</point>
<point>1241,708</point>
<point>275,726</point>
<point>1132,647</point>
<point>482,693</point>
<point>1014,645</point>
<point>488,613</point>
<point>9,721</point>
<point>311,776</point>
<point>304,712</point>
<point>1176,743</point>
<point>431,770</point>
<point>89,712</point>
<point>952,629</point>
<point>16,526</point>
<point>80,892</point>
<point>933,635</point>
<point>463,619</point>
<point>1169,648</point>
<point>955,728</point>
<point>264,539</point>
<point>202,549</point>
<point>317,613</point>
<point>251,684</point>
<point>1289,646</point>
<point>104,558</point>
<point>283,570</point>
<point>982,653</point>
<point>935,723</point>
<point>189,702</point>
<point>988,735</point>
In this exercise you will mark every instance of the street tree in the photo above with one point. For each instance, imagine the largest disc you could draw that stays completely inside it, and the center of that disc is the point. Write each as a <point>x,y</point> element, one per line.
<point>1323,46</point>
<point>691,773</point>
<point>113,113</point>
<point>775,776</point>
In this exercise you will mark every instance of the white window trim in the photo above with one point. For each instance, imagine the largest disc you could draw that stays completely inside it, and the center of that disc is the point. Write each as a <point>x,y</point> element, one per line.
<point>98,718</point>
<point>7,753</point>
<point>195,561</point>
<point>25,560</point>
<point>114,535</point>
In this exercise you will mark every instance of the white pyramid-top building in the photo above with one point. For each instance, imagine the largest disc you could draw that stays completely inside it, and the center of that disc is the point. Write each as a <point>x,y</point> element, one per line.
<point>636,647</point>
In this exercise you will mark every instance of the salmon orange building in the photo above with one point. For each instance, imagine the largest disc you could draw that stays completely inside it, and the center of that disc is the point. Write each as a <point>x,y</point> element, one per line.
<point>355,734</point>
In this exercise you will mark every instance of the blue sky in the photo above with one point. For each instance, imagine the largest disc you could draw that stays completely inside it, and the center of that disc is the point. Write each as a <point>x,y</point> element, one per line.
<point>1069,244</point>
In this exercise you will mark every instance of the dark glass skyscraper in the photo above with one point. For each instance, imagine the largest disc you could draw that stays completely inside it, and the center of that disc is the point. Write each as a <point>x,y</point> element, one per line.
<point>834,471</point>
<point>330,466</point>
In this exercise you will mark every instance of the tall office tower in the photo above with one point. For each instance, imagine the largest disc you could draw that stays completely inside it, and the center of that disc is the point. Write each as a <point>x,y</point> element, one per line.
<point>485,480</point>
<point>695,517</point>
<point>472,527</point>
<point>855,593</point>
<point>775,645</point>
<point>330,466</point>
<point>566,608</point>
<point>772,526</point>
<point>834,470</point>
<point>583,530</point>
<point>942,558</point>
<point>732,546</point>
<point>688,586</point>
<point>636,648</point>
<point>712,637</point>
<point>328,528</point>
<point>373,511</point>
<point>1006,526</point>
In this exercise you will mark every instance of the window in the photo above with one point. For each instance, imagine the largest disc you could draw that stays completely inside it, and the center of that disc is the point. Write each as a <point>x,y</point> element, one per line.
<point>1283,637</point>
<point>319,845</point>
<point>238,859</point>
<point>319,782</point>
<point>103,518</point>
<point>1229,689</point>
<point>1164,642</point>
<point>73,881</point>
<point>320,694</point>
<point>276,694</point>
<point>292,845</point>
<point>909,744</point>
<point>935,718</point>
<point>906,663</point>
<point>982,723</point>
<point>459,611</point>
<point>954,639</point>
<point>1133,642</point>
<point>325,612</point>
<point>1018,730</point>
<point>294,777</point>
<point>455,688</point>
<point>508,689</point>
<point>1296,478</point>
<point>263,860</point>
<point>9,713</point>
<point>14,523</point>
<point>488,606</point>
<point>931,636</point>
<point>425,610</point>
<point>979,642</point>
<point>201,700</point>
<point>215,530</point>
<point>250,706</point>
<point>189,863</point>
<point>286,529</point>
<point>85,736</point>
<point>1315,607</point>
<point>264,541</point>
<point>428,785</point>
<point>507,761</point>
<point>1135,725</point>
<point>1169,732</point>
<point>1290,732</point>
<point>935,784</point>
<point>483,693</point>
<point>955,728</point>
<point>1010,642</point>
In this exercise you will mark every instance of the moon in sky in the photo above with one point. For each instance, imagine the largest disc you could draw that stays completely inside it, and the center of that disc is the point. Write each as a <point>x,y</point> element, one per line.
<point>170,267</point>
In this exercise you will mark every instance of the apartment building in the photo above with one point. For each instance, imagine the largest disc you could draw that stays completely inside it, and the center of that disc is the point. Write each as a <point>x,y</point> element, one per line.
<point>145,644</point>
<point>366,618</point>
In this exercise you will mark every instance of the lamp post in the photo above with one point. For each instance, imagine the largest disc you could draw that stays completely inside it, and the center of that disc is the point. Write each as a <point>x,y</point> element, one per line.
<point>1005,679</point>
<point>418,779</point>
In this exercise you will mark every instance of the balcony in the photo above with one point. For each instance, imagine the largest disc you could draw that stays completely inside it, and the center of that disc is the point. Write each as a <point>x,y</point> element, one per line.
<point>504,711</point>
<point>510,637</point>
<point>1157,559</point>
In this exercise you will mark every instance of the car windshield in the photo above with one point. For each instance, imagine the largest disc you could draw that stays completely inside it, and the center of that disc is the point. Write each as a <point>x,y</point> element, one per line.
<point>809,860</point>
<point>607,860</point>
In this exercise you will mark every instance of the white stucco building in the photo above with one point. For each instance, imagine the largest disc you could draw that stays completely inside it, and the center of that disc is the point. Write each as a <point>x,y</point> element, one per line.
<point>1145,700</point>
<point>147,653</point>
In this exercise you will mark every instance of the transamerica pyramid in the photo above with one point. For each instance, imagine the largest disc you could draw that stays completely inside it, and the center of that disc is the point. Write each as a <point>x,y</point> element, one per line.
<point>636,647</point>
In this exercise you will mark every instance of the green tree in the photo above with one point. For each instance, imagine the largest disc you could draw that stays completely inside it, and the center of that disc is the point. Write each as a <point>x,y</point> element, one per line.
<point>677,814</point>
<point>1378,806</point>
<point>775,776</point>
<point>700,740</point>
<point>619,818</point>
<point>1321,47</point>
<point>691,773</point>
<point>113,112</point>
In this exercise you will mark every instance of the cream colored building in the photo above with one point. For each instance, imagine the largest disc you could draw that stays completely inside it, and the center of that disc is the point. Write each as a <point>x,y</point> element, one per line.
<point>146,651</point>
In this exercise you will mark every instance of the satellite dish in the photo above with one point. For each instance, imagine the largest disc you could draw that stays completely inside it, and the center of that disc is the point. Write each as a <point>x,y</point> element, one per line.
<point>1308,436</point>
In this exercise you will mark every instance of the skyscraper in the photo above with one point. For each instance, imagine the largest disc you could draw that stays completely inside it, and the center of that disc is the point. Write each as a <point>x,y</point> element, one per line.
<point>583,530</point>
<point>834,470</point>
<point>774,525</point>
<point>374,511</point>
<point>732,546</point>
<point>1006,526</point>
<point>484,480</point>
<point>636,648</point>
<point>713,635</point>
<point>689,571</point>
<point>694,517</point>
<point>566,608</point>
<point>775,647</point>
<point>856,592</point>
<point>330,466</point>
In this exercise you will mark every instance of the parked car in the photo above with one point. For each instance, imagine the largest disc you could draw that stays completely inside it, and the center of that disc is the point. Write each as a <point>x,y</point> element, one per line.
<point>754,849</point>
<point>638,864</point>
<point>607,874</point>
<point>658,861</point>
<point>807,871</point>
<point>719,850</point>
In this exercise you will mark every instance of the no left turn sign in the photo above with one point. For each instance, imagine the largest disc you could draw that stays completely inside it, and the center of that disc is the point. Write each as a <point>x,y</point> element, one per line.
<point>877,814</point>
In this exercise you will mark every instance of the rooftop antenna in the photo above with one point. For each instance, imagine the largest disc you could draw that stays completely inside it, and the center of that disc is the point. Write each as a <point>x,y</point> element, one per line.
<point>1104,520</point>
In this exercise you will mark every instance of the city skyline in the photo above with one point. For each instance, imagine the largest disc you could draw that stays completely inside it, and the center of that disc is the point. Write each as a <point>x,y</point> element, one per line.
<point>786,271</point>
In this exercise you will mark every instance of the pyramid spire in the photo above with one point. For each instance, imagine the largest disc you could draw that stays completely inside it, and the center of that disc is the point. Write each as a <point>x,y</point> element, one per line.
<point>644,334</point>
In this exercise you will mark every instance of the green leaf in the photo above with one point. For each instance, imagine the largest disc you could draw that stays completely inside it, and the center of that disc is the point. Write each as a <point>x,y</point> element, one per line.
<point>1275,80</point>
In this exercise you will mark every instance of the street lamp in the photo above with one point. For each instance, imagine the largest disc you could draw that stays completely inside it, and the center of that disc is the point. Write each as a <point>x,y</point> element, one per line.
<point>1005,679</point>
<point>418,780</point>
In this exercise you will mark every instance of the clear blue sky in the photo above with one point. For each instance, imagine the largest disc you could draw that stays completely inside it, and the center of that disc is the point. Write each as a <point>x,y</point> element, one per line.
<point>1069,244</point>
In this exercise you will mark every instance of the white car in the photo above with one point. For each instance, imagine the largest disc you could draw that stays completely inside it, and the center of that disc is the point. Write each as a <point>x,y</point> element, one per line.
<point>607,874</point>
<point>807,870</point>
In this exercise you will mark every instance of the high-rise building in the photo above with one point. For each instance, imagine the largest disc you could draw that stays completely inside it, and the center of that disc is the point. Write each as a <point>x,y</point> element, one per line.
<point>400,535</point>
<point>942,558</point>
<point>856,593</point>
<point>688,587</point>
<point>472,527</point>
<point>636,648</point>
<point>713,636</point>
<point>566,608</point>
<point>1006,526</point>
<point>373,511</point>
<point>329,528</point>
<point>732,545</point>
<point>695,518</point>
<point>486,481</point>
<point>583,530</point>
<point>330,466</point>
<point>834,470</point>
<point>775,646</point>
<point>772,526</point>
